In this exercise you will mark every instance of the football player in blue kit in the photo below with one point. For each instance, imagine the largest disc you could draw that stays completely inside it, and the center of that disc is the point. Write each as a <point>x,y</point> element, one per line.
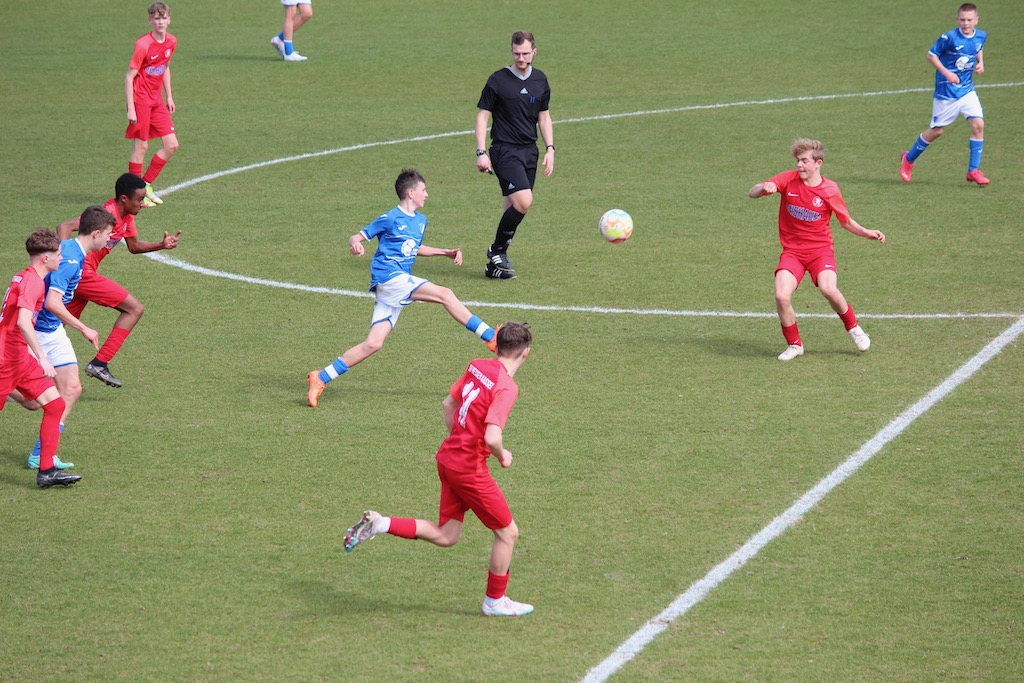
<point>399,234</point>
<point>956,56</point>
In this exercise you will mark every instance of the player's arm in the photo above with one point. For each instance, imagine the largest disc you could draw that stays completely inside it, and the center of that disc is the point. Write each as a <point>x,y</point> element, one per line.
<point>933,59</point>
<point>137,246</point>
<point>65,229</point>
<point>492,437</point>
<point>355,243</point>
<point>54,303</point>
<point>129,93</point>
<point>450,406</point>
<point>453,254</point>
<point>167,89</point>
<point>762,189</point>
<point>25,316</point>
<point>859,230</point>
<point>979,66</point>
<point>483,162</point>
<point>547,134</point>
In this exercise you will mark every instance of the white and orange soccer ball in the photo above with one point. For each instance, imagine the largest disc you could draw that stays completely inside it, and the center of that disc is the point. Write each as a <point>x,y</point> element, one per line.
<point>615,225</point>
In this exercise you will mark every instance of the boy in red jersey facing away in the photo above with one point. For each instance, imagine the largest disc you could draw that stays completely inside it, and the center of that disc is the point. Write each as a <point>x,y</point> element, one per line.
<point>475,412</point>
<point>129,193</point>
<point>23,365</point>
<point>147,80</point>
<point>807,203</point>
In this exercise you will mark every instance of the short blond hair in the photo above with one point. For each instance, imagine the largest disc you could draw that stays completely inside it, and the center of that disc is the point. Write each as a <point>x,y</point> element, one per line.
<point>159,9</point>
<point>804,145</point>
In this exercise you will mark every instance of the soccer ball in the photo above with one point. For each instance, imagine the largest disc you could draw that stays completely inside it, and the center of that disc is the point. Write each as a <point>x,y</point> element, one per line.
<point>615,225</point>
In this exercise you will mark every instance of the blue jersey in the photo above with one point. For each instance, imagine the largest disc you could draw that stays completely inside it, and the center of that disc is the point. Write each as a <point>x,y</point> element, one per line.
<point>399,238</point>
<point>959,54</point>
<point>65,279</point>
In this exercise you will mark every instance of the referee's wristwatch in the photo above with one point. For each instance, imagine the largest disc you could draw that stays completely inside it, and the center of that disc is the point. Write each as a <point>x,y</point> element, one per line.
<point>481,152</point>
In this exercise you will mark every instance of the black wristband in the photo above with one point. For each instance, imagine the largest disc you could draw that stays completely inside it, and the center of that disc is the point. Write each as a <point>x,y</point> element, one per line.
<point>481,152</point>
<point>549,147</point>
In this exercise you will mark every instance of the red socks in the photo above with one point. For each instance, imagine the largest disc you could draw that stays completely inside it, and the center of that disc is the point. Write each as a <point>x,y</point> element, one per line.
<point>135,169</point>
<point>112,345</point>
<point>155,166</point>
<point>403,527</point>
<point>849,318</point>
<point>49,433</point>
<point>792,335</point>
<point>496,585</point>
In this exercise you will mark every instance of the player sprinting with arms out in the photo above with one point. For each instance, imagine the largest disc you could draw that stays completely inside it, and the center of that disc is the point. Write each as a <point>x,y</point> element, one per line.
<point>806,206</point>
<point>399,234</point>
<point>147,81</point>
<point>475,412</point>
<point>23,365</point>
<point>129,193</point>
<point>956,56</point>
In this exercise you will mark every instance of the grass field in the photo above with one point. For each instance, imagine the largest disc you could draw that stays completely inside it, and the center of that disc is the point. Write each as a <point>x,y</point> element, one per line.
<point>204,541</point>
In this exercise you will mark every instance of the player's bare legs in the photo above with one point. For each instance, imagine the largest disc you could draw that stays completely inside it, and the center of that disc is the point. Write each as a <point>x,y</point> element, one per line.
<point>444,536</point>
<point>436,294</point>
<point>827,281</point>
<point>501,551</point>
<point>374,342</point>
<point>785,285</point>
<point>521,201</point>
<point>131,310</point>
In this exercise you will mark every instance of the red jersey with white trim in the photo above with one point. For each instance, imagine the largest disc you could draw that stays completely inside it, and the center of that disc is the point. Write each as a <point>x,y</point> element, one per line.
<point>485,394</point>
<point>805,211</point>
<point>123,227</point>
<point>150,59</point>
<point>26,291</point>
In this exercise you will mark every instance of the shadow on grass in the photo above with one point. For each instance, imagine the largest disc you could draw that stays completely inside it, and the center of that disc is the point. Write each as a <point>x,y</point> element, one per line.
<point>324,598</point>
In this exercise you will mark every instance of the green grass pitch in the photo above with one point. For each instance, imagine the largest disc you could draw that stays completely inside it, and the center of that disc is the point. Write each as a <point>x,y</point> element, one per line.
<point>204,542</point>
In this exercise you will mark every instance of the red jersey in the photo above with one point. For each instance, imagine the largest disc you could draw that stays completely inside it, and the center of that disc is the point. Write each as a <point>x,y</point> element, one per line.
<point>485,394</point>
<point>123,227</point>
<point>805,211</point>
<point>150,59</point>
<point>26,291</point>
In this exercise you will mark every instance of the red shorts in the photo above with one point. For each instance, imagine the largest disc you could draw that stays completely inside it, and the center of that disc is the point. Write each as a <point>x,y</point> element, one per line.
<point>153,121</point>
<point>813,262</point>
<point>26,376</point>
<point>97,289</point>
<point>476,491</point>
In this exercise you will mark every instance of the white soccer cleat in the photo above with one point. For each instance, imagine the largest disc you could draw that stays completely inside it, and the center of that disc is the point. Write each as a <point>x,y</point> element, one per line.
<point>791,352</point>
<point>294,57</point>
<point>505,607</point>
<point>860,338</point>
<point>362,531</point>
<point>278,45</point>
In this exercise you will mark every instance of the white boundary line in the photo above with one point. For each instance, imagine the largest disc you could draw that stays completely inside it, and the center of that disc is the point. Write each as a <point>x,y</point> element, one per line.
<point>167,260</point>
<point>697,591</point>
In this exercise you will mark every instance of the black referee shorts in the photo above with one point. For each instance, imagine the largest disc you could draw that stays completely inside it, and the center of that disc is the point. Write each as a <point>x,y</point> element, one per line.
<point>514,166</point>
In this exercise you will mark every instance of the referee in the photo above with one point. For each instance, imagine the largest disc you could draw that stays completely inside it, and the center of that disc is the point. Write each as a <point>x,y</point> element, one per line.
<point>517,98</point>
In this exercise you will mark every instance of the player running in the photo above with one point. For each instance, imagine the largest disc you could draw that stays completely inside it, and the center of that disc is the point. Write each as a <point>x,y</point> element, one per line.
<point>475,412</point>
<point>129,193</point>
<point>807,203</point>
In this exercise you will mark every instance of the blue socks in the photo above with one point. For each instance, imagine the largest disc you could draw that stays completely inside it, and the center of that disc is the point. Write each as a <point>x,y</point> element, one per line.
<point>919,147</point>
<point>975,162</point>
<point>480,328</point>
<point>332,371</point>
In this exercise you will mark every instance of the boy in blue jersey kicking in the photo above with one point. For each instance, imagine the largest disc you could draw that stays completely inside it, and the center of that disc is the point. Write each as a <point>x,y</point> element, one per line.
<point>956,56</point>
<point>400,240</point>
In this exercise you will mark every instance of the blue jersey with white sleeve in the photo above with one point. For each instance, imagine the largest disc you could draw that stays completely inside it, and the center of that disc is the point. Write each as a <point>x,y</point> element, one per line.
<point>399,238</point>
<point>959,54</point>
<point>65,279</point>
